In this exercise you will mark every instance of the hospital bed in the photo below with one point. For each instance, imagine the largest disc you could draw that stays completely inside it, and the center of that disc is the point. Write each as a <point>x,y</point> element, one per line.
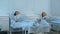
<point>55,23</point>
<point>41,28</point>
<point>23,26</point>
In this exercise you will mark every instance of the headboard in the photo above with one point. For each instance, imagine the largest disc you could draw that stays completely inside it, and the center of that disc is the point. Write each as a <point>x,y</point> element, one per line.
<point>4,23</point>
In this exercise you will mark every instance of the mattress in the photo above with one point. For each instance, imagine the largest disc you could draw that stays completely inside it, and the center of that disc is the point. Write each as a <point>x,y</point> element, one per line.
<point>55,25</point>
<point>24,25</point>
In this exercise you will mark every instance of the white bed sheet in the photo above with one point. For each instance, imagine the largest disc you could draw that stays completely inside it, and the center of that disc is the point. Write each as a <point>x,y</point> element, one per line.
<point>56,25</point>
<point>24,24</point>
<point>43,26</point>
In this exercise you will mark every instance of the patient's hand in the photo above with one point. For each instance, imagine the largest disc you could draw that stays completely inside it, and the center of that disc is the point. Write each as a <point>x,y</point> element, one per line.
<point>38,20</point>
<point>16,20</point>
<point>44,18</point>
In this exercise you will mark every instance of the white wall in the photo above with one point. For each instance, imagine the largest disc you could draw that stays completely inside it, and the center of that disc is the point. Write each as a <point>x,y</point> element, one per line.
<point>29,7</point>
<point>55,7</point>
<point>3,14</point>
<point>3,7</point>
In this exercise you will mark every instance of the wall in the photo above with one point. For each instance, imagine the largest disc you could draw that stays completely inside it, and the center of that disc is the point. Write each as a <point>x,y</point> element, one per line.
<point>3,7</point>
<point>3,14</point>
<point>55,7</point>
<point>30,7</point>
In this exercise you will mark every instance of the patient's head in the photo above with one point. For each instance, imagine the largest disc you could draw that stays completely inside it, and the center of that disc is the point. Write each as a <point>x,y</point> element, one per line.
<point>16,13</point>
<point>44,14</point>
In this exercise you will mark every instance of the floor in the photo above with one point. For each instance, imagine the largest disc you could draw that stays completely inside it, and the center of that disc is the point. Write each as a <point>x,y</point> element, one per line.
<point>31,33</point>
<point>51,32</point>
<point>55,33</point>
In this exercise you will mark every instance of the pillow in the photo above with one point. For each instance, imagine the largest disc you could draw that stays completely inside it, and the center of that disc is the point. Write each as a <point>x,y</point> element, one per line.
<point>54,18</point>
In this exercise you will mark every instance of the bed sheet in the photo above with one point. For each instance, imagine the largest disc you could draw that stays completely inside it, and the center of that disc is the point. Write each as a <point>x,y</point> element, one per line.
<point>24,24</point>
<point>56,25</point>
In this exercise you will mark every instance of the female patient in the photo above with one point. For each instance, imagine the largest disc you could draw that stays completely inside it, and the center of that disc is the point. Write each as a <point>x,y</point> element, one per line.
<point>45,20</point>
<point>45,17</point>
<point>21,20</point>
<point>41,26</point>
<point>18,17</point>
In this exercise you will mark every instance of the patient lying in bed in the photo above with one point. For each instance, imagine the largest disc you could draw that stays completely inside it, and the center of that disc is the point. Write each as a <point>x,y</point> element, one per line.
<point>41,26</point>
<point>18,17</point>
<point>49,18</point>
<point>21,21</point>
<point>45,17</point>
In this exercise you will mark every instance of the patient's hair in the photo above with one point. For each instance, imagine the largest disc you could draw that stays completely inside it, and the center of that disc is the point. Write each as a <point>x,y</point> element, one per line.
<point>44,14</point>
<point>16,13</point>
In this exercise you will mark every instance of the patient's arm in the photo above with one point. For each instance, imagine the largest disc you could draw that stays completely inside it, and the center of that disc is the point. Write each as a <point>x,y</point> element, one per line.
<point>48,19</point>
<point>38,20</point>
<point>16,19</point>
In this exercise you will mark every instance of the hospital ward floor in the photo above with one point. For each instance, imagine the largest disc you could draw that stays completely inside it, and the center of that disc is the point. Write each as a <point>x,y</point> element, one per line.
<point>52,32</point>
